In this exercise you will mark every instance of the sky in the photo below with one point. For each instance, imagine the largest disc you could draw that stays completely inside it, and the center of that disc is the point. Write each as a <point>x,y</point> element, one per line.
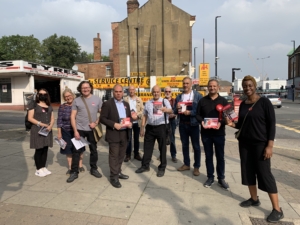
<point>254,35</point>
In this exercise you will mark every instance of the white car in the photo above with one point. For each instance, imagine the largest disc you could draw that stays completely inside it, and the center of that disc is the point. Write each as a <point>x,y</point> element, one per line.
<point>275,99</point>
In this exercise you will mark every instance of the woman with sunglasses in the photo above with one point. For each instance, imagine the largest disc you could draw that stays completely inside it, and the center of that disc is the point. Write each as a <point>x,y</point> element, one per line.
<point>41,116</point>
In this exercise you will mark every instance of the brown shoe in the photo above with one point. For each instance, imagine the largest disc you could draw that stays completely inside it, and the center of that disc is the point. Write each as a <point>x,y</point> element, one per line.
<point>183,168</point>
<point>127,158</point>
<point>196,172</point>
<point>138,157</point>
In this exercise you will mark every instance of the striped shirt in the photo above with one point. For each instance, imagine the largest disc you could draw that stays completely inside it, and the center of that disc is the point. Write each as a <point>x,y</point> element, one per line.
<point>154,119</point>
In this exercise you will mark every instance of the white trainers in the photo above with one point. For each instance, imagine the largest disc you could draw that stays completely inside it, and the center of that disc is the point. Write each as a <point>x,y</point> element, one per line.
<point>40,173</point>
<point>46,171</point>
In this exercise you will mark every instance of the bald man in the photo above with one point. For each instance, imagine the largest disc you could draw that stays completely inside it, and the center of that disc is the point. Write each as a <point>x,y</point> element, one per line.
<point>154,116</point>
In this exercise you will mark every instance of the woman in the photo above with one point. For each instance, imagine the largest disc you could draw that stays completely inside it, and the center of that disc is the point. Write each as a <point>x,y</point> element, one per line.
<point>65,130</point>
<point>256,139</point>
<point>41,116</point>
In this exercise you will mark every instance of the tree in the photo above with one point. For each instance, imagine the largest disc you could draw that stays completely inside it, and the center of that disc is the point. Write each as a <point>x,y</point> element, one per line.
<point>60,51</point>
<point>105,58</point>
<point>84,57</point>
<point>18,47</point>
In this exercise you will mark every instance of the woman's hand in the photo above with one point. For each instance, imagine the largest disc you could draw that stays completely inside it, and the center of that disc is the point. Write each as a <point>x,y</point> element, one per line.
<point>268,152</point>
<point>77,135</point>
<point>229,122</point>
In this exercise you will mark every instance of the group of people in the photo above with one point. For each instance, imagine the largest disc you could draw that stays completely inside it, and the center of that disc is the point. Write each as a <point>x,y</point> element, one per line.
<point>154,121</point>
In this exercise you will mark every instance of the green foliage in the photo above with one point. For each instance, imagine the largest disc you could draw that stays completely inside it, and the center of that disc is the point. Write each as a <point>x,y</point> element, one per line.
<point>60,51</point>
<point>84,57</point>
<point>18,47</point>
<point>105,58</point>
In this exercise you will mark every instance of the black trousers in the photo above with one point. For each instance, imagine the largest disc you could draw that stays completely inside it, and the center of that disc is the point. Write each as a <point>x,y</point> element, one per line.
<point>89,135</point>
<point>152,134</point>
<point>136,135</point>
<point>40,157</point>
<point>117,151</point>
<point>253,166</point>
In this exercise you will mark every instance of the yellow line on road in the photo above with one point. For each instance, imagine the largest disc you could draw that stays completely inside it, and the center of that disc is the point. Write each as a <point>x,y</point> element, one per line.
<point>288,128</point>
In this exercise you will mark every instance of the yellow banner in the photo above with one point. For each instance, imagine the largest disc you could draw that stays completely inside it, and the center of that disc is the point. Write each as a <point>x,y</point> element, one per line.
<point>109,83</point>
<point>173,82</point>
<point>204,74</point>
<point>136,73</point>
<point>146,96</point>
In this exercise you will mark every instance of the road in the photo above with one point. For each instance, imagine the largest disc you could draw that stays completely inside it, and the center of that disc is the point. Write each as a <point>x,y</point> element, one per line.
<point>287,128</point>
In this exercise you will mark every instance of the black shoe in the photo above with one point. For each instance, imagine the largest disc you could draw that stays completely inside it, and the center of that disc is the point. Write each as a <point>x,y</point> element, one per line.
<point>72,177</point>
<point>96,173</point>
<point>142,170</point>
<point>138,157</point>
<point>160,173</point>
<point>123,176</point>
<point>115,183</point>
<point>223,184</point>
<point>275,216</point>
<point>174,159</point>
<point>127,158</point>
<point>250,202</point>
<point>209,182</point>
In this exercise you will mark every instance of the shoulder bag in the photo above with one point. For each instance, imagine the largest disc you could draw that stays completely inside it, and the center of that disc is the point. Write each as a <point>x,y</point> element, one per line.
<point>167,126</point>
<point>98,128</point>
<point>237,134</point>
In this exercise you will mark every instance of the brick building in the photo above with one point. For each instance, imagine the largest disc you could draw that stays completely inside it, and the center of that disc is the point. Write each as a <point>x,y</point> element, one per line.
<point>293,80</point>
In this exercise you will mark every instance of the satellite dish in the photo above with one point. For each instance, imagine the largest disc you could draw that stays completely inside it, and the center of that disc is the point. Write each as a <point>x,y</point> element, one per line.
<point>75,67</point>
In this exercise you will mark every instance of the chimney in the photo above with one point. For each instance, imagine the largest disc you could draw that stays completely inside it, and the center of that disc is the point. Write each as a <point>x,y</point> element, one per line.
<point>97,48</point>
<point>132,5</point>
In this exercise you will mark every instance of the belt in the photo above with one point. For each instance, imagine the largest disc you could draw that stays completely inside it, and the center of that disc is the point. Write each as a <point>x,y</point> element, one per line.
<point>185,122</point>
<point>155,125</point>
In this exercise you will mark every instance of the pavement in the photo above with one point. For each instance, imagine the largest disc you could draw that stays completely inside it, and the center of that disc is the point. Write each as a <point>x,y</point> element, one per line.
<point>177,198</point>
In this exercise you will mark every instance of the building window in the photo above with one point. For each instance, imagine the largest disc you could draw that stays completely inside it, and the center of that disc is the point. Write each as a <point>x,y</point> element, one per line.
<point>108,71</point>
<point>5,90</point>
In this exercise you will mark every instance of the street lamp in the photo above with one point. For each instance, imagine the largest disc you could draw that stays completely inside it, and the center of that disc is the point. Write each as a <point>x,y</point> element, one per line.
<point>216,52</point>
<point>262,73</point>
<point>293,89</point>
<point>233,78</point>
<point>137,58</point>
<point>195,74</point>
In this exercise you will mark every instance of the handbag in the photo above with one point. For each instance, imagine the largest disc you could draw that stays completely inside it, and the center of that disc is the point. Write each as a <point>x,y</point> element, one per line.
<point>168,129</point>
<point>97,130</point>
<point>237,134</point>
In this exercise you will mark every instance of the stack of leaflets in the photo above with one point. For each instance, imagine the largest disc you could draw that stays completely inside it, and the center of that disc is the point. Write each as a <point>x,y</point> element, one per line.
<point>61,142</point>
<point>44,132</point>
<point>211,122</point>
<point>124,122</point>
<point>78,144</point>
<point>157,108</point>
<point>229,112</point>
<point>184,106</point>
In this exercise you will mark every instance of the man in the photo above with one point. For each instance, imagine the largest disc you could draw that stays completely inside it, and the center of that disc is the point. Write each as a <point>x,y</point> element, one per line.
<point>155,130</point>
<point>82,127</point>
<point>172,122</point>
<point>213,136</point>
<point>186,108</point>
<point>113,113</point>
<point>136,108</point>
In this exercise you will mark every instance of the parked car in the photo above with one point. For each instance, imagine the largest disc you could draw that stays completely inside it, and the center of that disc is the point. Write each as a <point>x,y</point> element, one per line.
<point>228,98</point>
<point>275,99</point>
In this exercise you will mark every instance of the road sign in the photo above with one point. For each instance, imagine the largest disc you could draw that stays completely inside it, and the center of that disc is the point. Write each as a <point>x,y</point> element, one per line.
<point>204,74</point>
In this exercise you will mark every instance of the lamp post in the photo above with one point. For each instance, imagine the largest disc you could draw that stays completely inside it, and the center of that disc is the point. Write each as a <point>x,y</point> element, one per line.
<point>293,89</point>
<point>233,78</point>
<point>137,58</point>
<point>262,73</point>
<point>216,51</point>
<point>195,74</point>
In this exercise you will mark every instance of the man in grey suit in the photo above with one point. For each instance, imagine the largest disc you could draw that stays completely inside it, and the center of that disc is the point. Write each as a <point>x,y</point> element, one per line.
<point>114,113</point>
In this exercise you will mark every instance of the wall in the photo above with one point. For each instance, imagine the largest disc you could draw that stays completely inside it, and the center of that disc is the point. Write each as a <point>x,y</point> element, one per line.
<point>94,69</point>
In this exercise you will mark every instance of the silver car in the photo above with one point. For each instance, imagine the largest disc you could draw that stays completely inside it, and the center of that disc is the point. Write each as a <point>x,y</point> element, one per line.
<point>275,99</point>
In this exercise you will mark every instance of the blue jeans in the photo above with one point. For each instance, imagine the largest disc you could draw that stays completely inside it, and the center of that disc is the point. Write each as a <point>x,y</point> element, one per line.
<point>172,138</point>
<point>209,141</point>
<point>187,131</point>
<point>136,134</point>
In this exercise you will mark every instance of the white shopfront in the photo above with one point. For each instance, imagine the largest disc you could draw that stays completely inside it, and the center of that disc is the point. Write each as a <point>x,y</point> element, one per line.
<point>18,77</point>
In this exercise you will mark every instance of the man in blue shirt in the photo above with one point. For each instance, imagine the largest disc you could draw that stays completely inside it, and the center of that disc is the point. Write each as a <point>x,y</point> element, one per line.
<point>155,130</point>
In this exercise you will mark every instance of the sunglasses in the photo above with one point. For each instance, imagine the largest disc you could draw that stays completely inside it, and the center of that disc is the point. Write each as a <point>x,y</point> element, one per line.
<point>168,91</point>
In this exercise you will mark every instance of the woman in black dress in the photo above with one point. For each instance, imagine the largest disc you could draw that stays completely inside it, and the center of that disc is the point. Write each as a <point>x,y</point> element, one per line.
<point>41,116</point>
<point>257,123</point>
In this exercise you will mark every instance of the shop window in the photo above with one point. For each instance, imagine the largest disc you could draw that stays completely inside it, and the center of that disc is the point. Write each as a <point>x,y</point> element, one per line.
<point>5,90</point>
<point>108,71</point>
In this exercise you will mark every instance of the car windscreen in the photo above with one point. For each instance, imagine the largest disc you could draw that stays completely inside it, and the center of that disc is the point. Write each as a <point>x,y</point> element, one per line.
<point>272,96</point>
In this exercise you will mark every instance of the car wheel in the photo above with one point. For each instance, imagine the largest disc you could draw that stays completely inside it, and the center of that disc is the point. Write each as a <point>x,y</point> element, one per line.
<point>279,106</point>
